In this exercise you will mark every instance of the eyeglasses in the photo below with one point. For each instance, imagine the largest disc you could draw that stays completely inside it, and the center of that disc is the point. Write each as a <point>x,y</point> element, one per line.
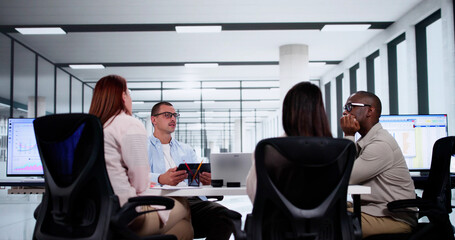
<point>348,107</point>
<point>168,114</point>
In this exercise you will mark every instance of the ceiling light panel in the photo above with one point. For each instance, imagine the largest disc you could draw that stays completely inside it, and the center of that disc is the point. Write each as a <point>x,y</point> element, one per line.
<point>345,27</point>
<point>197,29</point>
<point>40,31</point>
<point>201,65</point>
<point>86,66</point>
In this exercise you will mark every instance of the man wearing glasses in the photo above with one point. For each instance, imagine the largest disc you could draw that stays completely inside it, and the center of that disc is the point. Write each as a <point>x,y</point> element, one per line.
<point>165,155</point>
<point>380,164</point>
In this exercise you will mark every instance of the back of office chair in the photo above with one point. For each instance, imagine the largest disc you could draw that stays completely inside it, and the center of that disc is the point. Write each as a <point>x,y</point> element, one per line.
<point>436,199</point>
<point>77,202</point>
<point>438,189</point>
<point>302,189</point>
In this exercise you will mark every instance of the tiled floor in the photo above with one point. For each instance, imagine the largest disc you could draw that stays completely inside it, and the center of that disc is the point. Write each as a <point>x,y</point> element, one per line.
<point>17,222</point>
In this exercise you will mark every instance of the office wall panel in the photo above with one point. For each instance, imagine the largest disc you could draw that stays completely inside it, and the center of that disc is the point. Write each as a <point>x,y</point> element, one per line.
<point>88,93</point>
<point>5,75</point>
<point>76,96</point>
<point>63,92</point>
<point>46,85</point>
<point>24,80</point>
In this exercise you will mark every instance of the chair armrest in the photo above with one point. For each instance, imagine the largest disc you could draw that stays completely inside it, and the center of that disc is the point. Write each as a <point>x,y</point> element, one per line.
<point>152,200</point>
<point>215,198</point>
<point>128,212</point>
<point>236,222</point>
<point>403,205</point>
<point>425,207</point>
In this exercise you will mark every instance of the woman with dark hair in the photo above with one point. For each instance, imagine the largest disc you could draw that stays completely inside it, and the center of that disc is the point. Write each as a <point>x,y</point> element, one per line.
<point>126,155</point>
<point>303,115</point>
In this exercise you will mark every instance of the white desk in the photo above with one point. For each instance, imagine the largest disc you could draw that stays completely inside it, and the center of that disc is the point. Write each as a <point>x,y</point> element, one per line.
<point>221,191</point>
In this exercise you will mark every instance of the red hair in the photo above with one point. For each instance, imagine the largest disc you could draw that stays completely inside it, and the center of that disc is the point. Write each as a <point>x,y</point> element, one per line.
<point>107,100</point>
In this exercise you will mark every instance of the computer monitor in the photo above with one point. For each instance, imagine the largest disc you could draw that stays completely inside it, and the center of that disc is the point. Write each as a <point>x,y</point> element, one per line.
<point>416,135</point>
<point>23,156</point>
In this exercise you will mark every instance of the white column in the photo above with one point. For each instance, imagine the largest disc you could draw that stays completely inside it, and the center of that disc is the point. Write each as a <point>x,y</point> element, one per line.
<point>41,107</point>
<point>294,68</point>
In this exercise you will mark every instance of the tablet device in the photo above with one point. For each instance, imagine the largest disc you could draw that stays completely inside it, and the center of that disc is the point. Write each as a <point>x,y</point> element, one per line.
<point>205,167</point>
<point>192,169</point>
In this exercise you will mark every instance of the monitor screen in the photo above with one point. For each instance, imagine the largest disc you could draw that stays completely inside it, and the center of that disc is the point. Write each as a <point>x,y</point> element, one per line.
<point>23,156</point>
<point>416,135</point>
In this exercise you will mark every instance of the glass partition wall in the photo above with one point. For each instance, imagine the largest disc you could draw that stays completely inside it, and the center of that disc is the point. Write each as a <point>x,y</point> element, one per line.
<point>32,86</point>
<point>215,116</point>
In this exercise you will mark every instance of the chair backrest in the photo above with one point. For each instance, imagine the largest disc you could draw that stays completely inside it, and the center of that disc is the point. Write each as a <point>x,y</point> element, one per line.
<point>438,188</point>
<point>79,200</point>
<point>302,189</point>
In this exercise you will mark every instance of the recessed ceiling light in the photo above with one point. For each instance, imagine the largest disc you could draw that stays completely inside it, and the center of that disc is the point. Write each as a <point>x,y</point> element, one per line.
<point>201,65</point>
<point>138,102</point>
<point>40,30</point>
<point>346,27</point>
<point>86,66</point>
<point>197,29</point>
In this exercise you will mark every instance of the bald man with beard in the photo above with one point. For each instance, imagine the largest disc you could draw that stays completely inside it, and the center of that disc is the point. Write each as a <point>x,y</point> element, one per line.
<point>380,164</point>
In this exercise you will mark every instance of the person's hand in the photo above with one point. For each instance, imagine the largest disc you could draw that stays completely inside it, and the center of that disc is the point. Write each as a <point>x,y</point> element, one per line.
<point>172,177</point>
<point>205,178</point>
<point>349,125</point>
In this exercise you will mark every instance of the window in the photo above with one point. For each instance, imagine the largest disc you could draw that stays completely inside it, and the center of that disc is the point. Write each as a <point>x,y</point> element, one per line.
<point>373,70</point>
<point>395,54</point>
<point>430,79</point>
<point>353,78</point>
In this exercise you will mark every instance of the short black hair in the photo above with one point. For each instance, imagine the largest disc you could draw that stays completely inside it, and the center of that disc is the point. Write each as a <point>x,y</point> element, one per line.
<point>157,106</point>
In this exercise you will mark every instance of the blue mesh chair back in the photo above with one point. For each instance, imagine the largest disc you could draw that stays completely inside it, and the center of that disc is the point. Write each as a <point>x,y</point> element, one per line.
<point>72,151</point>
<point>79,202</point>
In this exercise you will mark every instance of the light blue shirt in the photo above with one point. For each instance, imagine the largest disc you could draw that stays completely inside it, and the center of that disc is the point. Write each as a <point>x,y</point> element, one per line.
<point>179,152</point>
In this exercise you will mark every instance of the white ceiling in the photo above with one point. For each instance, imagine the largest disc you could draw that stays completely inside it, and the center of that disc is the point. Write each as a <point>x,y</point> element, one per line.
<point>135,48</point>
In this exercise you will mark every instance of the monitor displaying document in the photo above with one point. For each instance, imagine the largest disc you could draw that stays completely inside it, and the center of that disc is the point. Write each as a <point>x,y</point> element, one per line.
<point>23,156</point>
<point>416,135</point>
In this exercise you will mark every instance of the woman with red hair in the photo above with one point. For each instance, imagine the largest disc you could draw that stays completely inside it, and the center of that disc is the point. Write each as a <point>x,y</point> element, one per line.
<point>125,151</point>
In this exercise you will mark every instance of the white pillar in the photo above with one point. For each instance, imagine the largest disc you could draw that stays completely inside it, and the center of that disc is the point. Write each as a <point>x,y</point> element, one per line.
<point>294,68</point>
<point>41,106</point>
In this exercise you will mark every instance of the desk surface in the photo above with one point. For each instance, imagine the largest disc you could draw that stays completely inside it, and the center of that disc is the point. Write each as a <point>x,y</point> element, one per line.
<point>13,181</point>
<point>212,191</point>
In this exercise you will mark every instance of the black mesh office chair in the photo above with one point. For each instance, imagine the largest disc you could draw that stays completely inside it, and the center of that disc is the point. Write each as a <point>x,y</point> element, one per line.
<point>436,199</point>
<point>301,190</point>
<point>79,202</point>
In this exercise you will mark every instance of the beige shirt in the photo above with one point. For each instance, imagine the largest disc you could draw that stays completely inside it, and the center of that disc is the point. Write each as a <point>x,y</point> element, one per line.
<point>126,156</point>
<point>381,165</point>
